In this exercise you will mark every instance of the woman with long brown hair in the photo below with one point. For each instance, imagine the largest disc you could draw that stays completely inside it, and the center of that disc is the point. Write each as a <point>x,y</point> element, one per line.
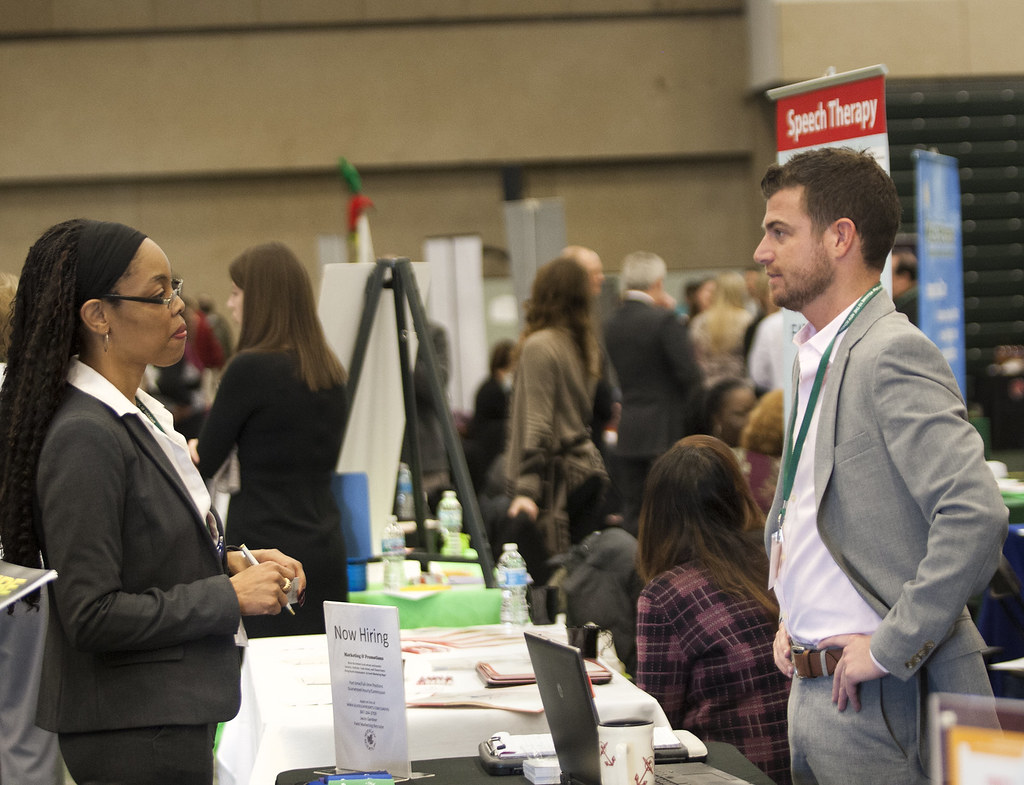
<point>706,620</point>
<point>282,402</point>
<point>555,474</point>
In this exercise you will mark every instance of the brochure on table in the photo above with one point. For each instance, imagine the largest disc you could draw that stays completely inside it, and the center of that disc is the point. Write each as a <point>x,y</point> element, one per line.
<point>17,581</point>
<point>367,686</point>
<point>976,740</point>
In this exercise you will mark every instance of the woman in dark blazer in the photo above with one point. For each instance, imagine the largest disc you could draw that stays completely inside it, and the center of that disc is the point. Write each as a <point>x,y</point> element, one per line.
<point>141,660</point>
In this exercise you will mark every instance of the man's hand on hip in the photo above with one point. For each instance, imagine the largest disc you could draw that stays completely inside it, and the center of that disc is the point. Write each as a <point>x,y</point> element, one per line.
<point>783,652</point>
<point>856,665</point>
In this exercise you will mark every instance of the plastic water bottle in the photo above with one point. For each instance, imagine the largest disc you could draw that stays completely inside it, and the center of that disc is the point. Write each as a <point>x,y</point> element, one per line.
<point>404,504</point>
<point>393,553</point>
<point>512,582</point>
<point>449,515</point>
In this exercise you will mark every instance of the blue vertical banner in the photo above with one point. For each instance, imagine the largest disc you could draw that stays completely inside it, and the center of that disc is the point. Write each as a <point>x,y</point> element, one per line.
<point>940,276</point>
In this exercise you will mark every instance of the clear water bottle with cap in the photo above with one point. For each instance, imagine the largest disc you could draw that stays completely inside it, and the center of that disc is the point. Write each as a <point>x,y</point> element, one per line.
<point>449,515</point>
<point>512,582</point>
<point>393,553</point>
<point>405,507</point>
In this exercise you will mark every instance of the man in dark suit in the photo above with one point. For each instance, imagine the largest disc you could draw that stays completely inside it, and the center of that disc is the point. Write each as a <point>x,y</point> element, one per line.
<point>658,375</point>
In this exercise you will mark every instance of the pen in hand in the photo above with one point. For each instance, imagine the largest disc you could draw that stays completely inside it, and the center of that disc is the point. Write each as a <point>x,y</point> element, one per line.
<point>252,561</point>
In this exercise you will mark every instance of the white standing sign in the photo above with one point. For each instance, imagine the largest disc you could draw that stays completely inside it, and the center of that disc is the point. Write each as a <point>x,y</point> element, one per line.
<point>376,417</point>
<point>367,687</point>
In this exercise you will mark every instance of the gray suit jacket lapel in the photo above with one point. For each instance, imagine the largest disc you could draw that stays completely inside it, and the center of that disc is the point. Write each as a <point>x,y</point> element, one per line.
<point>825,447</point>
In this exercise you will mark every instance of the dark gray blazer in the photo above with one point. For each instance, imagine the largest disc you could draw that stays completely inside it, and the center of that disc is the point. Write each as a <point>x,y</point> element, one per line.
<point>142,614</point>
<point>906,505</point>
<point>658,375</point>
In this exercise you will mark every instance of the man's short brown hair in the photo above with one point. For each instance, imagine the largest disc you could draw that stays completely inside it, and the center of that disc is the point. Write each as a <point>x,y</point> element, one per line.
<point>843,183</point>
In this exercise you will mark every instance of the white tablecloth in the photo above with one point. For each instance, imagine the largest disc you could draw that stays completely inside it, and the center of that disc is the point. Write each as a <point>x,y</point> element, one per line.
<point>286,719</point>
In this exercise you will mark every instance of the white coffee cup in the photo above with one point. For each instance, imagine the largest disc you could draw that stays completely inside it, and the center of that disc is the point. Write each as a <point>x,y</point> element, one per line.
<point>627,752</point>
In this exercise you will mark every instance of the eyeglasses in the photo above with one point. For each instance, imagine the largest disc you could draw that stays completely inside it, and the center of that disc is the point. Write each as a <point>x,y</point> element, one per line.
<point>176,284</point>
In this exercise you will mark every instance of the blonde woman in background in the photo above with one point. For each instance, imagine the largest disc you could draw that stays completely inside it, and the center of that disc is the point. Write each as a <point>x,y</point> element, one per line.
<point>8,288</point>
<point>718,332</point>
<point>760,450</point>
<point>28,754</point>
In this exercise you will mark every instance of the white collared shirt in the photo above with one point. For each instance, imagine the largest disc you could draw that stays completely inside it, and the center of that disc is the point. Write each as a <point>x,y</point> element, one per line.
<point>91,382</point>
<point>816,598</point>
<point>638,295</point>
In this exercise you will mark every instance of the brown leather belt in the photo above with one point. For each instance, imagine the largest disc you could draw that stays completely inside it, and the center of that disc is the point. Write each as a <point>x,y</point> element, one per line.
<point>812,663</point>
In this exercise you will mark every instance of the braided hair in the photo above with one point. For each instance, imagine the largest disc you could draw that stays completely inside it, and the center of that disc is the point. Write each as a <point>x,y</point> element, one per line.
<point>44,336</point>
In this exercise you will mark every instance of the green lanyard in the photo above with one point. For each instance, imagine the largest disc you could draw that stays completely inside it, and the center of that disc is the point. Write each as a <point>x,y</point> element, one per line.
<point>793,451</point>
<point>145,410</point>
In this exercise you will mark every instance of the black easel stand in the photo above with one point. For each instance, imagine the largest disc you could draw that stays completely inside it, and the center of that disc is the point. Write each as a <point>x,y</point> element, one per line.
<point>397,275</point>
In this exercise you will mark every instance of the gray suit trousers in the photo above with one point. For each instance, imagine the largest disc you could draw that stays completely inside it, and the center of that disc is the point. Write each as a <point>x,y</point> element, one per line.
<point>876,744</point>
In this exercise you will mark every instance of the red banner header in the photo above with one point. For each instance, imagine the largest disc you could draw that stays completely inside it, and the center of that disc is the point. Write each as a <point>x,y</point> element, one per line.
<point>831,114</point>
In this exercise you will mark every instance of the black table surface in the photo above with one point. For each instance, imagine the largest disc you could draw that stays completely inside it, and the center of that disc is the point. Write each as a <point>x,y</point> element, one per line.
<point>469,771</point>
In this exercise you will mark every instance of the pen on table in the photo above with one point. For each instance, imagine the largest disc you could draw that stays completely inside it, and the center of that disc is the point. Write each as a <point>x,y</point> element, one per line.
<point>252,560</point>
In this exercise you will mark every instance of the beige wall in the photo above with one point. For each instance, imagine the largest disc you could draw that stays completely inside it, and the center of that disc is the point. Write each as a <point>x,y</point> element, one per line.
<point>212,126</point>
<point>383,97</point>
<point>211,130</point>
<point>795,40</point>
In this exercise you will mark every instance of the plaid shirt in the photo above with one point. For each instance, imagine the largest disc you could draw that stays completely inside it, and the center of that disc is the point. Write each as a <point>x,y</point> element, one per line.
<point>707,658</point>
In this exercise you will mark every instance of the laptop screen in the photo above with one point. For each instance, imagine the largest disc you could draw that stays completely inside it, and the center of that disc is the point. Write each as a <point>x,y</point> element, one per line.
<point>569,707</point>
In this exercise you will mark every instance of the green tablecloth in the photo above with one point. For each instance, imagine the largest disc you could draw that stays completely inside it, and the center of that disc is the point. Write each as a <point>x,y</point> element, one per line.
<point>1015,503</point>
<point>456,607</point>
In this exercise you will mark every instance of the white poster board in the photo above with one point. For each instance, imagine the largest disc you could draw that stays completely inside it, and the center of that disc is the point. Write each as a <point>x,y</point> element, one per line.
<point>457,303</point>
<point>535,234</point>
<point>364,649</point>
<point>376,420</point>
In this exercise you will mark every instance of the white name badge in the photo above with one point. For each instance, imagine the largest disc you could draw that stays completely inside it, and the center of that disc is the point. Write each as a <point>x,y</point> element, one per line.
<point>774,559</point>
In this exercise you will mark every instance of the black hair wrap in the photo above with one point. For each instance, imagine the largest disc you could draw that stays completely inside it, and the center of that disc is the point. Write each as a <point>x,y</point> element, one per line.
<point>105,249</point>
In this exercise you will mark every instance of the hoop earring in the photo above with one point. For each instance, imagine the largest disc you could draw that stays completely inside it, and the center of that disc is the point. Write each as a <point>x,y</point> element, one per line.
<point>106,341</point>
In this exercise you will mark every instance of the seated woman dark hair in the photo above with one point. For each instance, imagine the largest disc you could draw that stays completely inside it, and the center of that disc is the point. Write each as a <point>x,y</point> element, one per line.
<point>705,619</point>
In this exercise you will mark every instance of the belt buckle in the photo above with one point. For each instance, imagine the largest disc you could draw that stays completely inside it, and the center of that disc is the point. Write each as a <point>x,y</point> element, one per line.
<point>797,649</point>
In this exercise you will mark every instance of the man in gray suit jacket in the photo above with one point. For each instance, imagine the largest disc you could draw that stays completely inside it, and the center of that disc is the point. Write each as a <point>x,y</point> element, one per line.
<point>886,519</point>
<point>659,377</point>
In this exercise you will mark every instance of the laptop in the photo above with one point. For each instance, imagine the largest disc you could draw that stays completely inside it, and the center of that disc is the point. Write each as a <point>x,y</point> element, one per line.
<point>572,719</point>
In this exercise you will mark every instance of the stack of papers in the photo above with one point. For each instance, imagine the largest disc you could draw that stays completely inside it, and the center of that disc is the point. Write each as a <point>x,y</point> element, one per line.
<point>16,581</point>
<point>512,673</point>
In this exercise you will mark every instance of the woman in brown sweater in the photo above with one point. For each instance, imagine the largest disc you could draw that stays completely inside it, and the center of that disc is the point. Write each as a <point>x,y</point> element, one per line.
<point>555,474</point>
